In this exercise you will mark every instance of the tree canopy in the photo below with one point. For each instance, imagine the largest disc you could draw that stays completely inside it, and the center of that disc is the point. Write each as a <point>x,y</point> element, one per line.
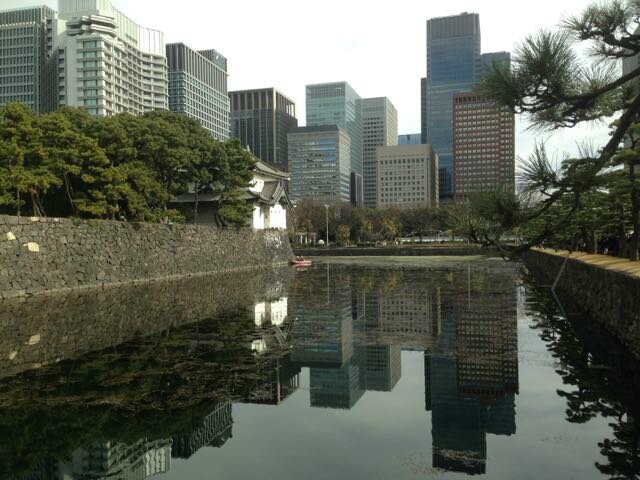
<point>551,83</point>
<point>67,163</point>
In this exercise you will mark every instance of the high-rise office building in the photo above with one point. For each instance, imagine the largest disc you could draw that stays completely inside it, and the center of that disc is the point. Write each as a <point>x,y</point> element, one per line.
<point>338,104</point>
<point>28,71</point>
<point>379,129</point>
<point>453,66</point>
<point>108,63</point>
<point>198,87</point>
<point>483,145</point>
<point>261,119</point>
<point>319,162</point>
<point>488,60</point>
<point>423,110</point>
<point>407,176</point>
<point>91,56</point>
<point>410,139</point>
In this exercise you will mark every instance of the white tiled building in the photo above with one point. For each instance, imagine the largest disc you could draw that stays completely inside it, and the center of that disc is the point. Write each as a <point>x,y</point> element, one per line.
<point>107,63</point>
<point>88,55</point>
<point>407,176</point>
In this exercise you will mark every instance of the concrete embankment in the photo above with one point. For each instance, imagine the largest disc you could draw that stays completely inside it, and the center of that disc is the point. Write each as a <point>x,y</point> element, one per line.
<point>39,255</point>
<point>398,251</point>
<point>605,288</point>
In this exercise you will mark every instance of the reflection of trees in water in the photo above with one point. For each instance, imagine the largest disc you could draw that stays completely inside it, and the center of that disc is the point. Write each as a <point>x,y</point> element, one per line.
<point>158,387</point>
<point>605,381</point>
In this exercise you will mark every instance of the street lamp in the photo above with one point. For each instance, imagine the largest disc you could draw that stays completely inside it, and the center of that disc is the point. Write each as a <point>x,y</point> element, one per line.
<point>326,208</point>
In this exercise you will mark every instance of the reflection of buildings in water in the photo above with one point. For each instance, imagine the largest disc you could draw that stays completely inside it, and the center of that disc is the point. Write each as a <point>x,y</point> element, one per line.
<point>487,347</point>
<point>277,377</point>
<point>272,326</point>
<point>374,368</point>
<point>382,367</point>
<point>338,387</point>
<point>271,313</point>
<point>215,430</point>
<point>471,378</point>
<point>407,316</point>
<point>323,334</point>
<point>138,461</point>
<point>277,380</point>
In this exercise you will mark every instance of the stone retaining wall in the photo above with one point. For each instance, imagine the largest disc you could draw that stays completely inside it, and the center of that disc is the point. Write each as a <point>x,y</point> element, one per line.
<point>50,255</point>
<point>605,288</point>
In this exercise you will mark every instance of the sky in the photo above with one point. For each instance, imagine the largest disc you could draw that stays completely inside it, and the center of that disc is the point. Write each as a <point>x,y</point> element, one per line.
<point>377,47</point>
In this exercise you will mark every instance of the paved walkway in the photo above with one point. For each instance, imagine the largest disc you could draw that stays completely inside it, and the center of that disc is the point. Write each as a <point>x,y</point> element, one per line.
<point>604,261</point>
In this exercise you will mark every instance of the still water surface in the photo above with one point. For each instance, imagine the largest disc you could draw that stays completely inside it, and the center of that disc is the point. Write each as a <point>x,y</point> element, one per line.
<point>377,369</point>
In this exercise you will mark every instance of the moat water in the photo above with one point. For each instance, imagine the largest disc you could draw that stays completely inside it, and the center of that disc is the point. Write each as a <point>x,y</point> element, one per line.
<point>385,368</point>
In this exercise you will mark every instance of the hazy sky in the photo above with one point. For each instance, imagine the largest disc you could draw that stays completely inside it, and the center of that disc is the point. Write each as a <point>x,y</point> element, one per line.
<point>378,47</point>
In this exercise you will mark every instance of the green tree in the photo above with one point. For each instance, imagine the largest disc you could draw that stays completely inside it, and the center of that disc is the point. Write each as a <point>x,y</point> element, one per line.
<point>207,170</point>
<point>77,160</point>
<point>343,234</point>
<point>23,170</point>
<point>548,82</point>
<point>169,144</point>
<point>389,226</point>
<point>235,176</point>
<point>131,187</point>
<point>629,158</point>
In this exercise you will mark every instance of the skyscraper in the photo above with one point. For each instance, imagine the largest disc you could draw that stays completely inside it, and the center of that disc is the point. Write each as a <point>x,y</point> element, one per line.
<point>410,139</point>
<point>319,162</point>
<point>261,119</point>
<point>379,129</point>
<point>407,176</point>
<point>453,66</point>
<point>28,71</point>
<point>483,145</point>
<point>108,63</point>
<point>488,60</point>
<point>423,110</point>
<point>337,104</point>
<point>198,87</point>
<point>89,55</point>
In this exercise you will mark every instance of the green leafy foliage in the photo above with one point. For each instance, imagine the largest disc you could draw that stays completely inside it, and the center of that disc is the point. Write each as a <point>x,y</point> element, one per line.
<point>593,197</point>
<point>67,163</point>
<point>349,225</point>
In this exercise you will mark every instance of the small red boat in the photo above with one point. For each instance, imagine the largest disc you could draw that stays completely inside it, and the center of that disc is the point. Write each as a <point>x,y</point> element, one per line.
<point>300,262</point>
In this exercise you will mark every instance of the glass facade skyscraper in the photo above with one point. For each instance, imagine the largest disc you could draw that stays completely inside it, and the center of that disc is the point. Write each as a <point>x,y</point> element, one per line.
<point>319,162</point>
<point>454,65</point>
<point>338,104</point>
<point>410,139</point>
<point>198,87</point>
<point>261,119</point>
<point>28,71</point>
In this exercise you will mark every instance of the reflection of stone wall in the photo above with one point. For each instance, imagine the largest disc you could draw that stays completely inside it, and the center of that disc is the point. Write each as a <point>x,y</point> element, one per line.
<point>52,254</point>
<point>607,295</point>
<point>44,329</point>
